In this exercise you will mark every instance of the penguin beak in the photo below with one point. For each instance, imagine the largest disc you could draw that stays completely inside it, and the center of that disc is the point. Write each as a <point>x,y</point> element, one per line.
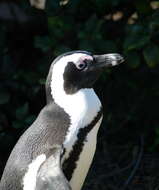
<point>107,60</point>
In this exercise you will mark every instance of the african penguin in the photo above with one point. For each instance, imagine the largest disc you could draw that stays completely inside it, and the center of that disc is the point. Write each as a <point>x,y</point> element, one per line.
<point>56,151</point>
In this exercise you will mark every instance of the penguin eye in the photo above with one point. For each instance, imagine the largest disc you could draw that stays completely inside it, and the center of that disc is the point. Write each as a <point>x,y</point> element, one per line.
<point>82,66</point>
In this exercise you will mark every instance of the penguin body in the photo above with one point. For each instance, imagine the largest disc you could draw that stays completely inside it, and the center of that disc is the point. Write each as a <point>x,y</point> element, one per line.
<point>63,137</point>
<point>33,148</point>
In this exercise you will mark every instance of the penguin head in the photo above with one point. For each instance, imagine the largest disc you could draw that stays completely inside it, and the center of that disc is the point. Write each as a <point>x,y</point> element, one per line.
<point>76,70</point>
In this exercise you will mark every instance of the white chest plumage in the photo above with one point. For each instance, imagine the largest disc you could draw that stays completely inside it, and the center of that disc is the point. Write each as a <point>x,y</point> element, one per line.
<point>85,159</point>
<point>82,107</point>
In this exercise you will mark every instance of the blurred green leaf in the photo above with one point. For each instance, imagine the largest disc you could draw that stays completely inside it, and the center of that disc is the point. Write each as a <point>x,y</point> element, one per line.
<point>22,111</point>
<point>102,5</point>
<point>61,49</point>
<point>157,131</point>
<point>52,7</point>
<point>4,97</point>
<point>154,22</point>
<point>2,38</point>
<point>135,42</point>
<point>143,6</point>
<point>137,37</point>
<point>6,66</point>
<point>17,124</point>
<point>105,46</point>
<point>6,139</point>
<point>44,43</point>
<point>151,55</point>
<point>133,59</point>
<point>86,45</point>
<point>55,26</point>
<point>30,119</point>
<point>42,81</point>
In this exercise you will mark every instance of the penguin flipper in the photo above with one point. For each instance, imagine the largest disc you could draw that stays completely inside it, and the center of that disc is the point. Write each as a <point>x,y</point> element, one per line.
<point>50,175</point>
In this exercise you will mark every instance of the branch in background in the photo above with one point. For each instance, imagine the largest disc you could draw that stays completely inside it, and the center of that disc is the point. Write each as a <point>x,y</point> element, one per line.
<point>136,165</point>
<point>39,4</point>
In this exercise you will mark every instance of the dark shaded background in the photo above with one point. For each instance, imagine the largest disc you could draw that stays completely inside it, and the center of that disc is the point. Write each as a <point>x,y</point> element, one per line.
<point>128,142</point>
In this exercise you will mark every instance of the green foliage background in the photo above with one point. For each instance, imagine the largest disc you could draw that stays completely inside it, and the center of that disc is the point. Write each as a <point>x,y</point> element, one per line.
<point>30,39</point>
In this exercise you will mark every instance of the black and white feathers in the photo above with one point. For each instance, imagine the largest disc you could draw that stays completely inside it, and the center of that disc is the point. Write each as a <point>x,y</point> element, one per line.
<point>63,137</point>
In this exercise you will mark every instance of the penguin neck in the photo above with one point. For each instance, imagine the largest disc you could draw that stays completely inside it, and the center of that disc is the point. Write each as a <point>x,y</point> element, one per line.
<point>81,107</point>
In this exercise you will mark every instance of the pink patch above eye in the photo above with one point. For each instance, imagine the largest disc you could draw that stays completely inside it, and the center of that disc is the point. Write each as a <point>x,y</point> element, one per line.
<point>86,57</point>
<point>82,63</point>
